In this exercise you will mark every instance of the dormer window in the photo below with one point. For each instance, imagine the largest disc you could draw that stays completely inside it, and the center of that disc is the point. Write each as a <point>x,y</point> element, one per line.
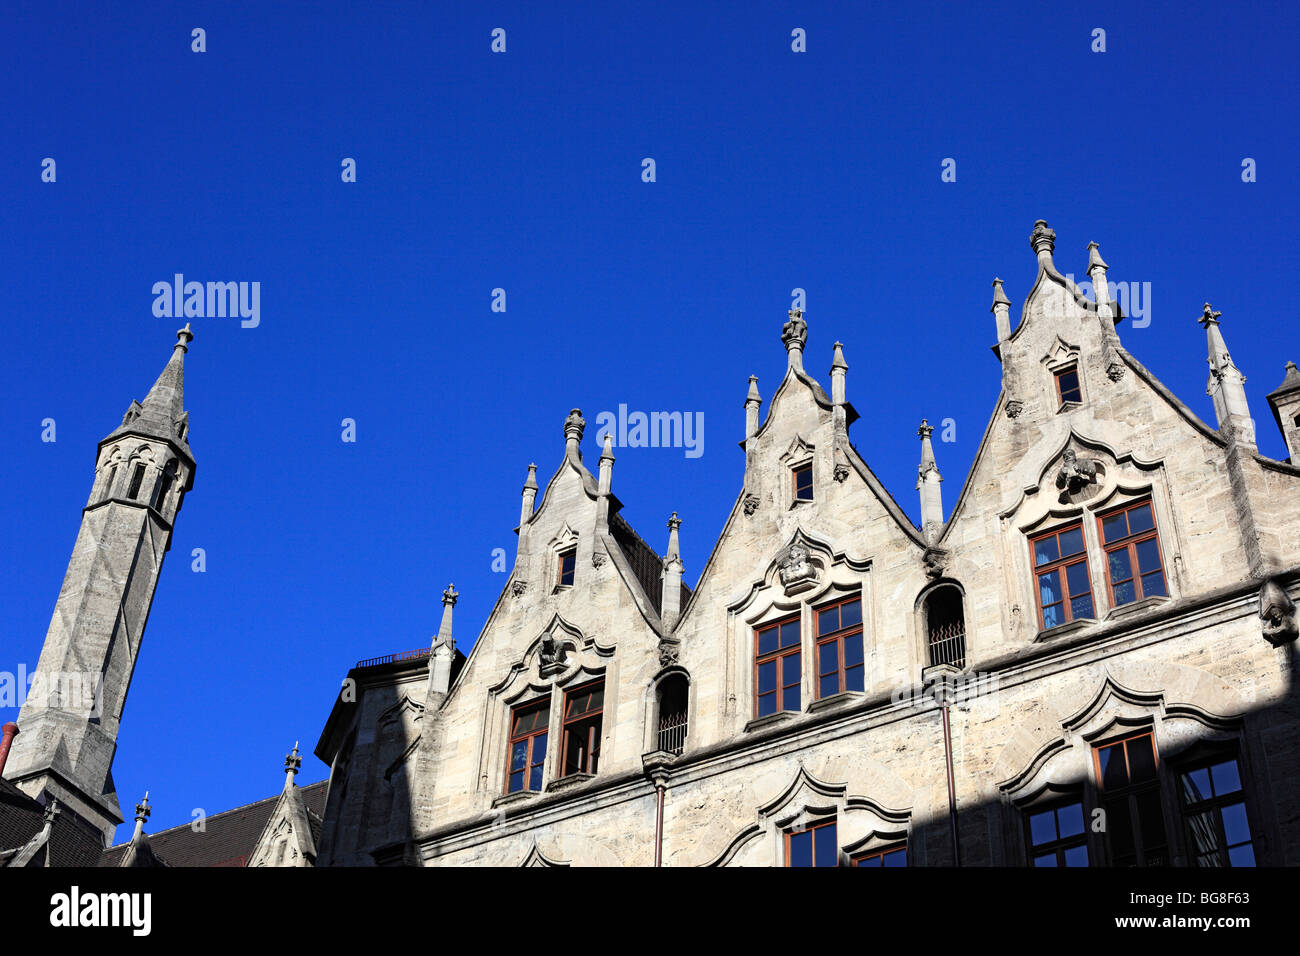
<point>803,482</point>
<point>568,562</point>
<point>1068,390</point>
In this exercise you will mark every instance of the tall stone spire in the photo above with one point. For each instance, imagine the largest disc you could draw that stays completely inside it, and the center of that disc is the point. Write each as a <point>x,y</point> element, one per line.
<point>69,736</point>
<point>526,511</point>
<point>928,480</point>
<point>671,604</point>
<point>443,653</point>
<point>1226,385</point>
<point>752,405</point>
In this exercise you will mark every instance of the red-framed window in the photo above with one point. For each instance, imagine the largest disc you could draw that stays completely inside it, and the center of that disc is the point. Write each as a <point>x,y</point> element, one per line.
<point>890,856</point>
<point>1068,388</point>
<point>1133,566</point>
<point>583,707</point>
<point>1214,815</point>
<point>1064,588</point>
<point>777,673</point>
<point>568,563</point>
<point>815,845</point>
<point>1056,836</point>
<point>1128,787</point>
<point>528,727</point>
<point>803,483</point>
<point>839,646</point>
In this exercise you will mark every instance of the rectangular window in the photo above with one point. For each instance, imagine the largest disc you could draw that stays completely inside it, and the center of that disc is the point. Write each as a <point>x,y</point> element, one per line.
<point>568,561</point>
<point>1067,385</point>
<point>1214,813</point>
<point>1133,566</point>
<point>839,647</point>
<point>528,727</point>
<point>1129,791</point>
<point>890,856</point>
<point>803,485</point>
<point>813,846</point>
<point>1057,836</point>
<point>1064,589</point>
<point>582,712</point>
<point>776,667</point>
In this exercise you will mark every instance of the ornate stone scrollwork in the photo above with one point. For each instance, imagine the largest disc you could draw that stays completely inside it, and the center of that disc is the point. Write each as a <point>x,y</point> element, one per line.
<point>597,559</point>
<point>518,588</point>
<point>751,503</point>
<point>669,652</point>
<point>1014,408</point>
<point>1114,371</point>
<point>1277,614</point>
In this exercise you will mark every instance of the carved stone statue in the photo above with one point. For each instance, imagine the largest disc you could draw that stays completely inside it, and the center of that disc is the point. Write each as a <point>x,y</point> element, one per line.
<point>795,330</point>
<point>669,652</point>
<point>1277,614</point>
<point>795,568</point>
<point>553,655</point>
<point>1076,474</point>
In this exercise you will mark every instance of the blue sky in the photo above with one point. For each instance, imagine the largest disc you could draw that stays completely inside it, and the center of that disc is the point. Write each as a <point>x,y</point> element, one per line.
<point>522,171</point>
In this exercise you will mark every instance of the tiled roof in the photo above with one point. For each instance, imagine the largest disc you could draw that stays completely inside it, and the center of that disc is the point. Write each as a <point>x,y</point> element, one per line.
<point>645,562</point>
<point>22,818</point>
<point>228,838</point>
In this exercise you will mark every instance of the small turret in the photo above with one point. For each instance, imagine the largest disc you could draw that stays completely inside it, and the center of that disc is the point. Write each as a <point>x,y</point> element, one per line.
<point>1226,385</point>
<point>1285,402</point>
<point>671,603</point>
<point>928,480</point>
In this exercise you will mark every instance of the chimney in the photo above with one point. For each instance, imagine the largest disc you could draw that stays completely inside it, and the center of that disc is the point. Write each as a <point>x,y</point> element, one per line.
<point>10,732</point>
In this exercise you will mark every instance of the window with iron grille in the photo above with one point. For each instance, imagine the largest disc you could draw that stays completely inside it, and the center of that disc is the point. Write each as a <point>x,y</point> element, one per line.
<point>583,707</point>
<point>895,855</point>
<point>672,695</point>
<point>1056,835</point>
<point>1214,815</point>
<point>815,845</point>
<point>528,729</point>
<point>1064,588</point>
<point>1128,789</point>
<point>945,626</point>
<point>839,647</point>
<point>777,673</point>
<point>1133,566</point>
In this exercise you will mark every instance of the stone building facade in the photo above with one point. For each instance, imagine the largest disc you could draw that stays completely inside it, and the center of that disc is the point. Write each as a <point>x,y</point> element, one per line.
<point>1089,660</point>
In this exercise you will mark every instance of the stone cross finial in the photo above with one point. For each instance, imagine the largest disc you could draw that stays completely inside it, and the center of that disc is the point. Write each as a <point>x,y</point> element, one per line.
<point>142,809</point>
<point>1209,317</point>
<point>52,810</point>
<point>449,596</point>
<point>184,336</point>
<point>292,761</point>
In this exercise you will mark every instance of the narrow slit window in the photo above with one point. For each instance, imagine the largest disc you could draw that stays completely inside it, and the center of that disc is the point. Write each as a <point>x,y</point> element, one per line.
<point>1063,588</point>
<point>1133,566</point>
<point>803,483</point>
<point>137,477</point>
<point>1067,385</point>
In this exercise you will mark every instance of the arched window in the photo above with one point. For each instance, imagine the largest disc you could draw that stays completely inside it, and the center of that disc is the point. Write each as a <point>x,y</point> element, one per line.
<point>945,626</point>
<point>137,476</point>
<point>672,696</point>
